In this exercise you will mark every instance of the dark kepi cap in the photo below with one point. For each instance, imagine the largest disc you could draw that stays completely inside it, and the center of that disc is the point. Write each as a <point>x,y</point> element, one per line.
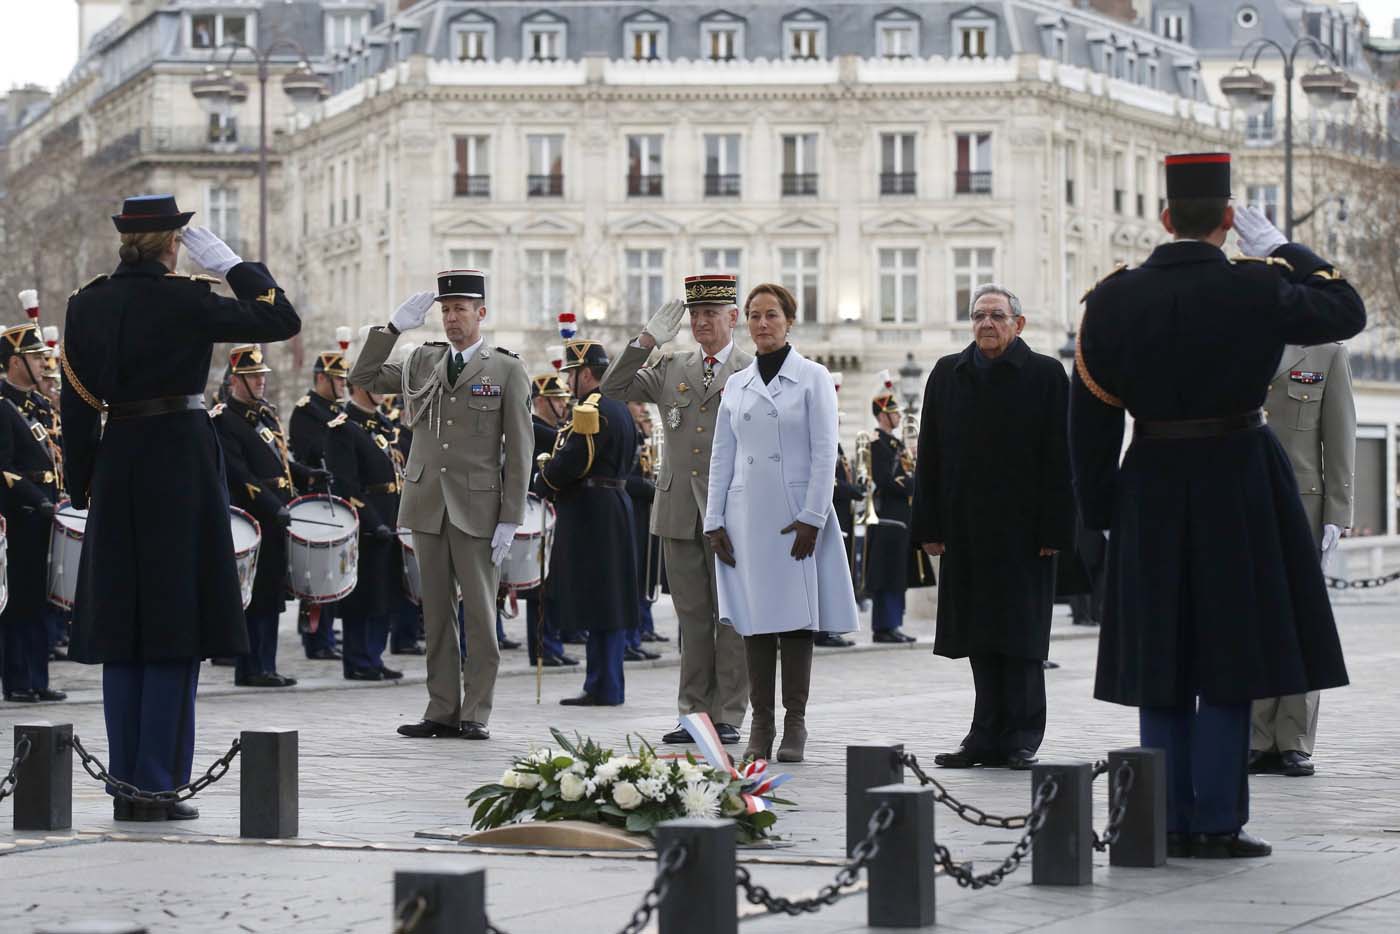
<point>582,352</point>
<point>22,338</point>
<point>1198,175</point>
<point>549,385</point>
<point>331,363</point>
<point>885,402</point>
<point>461,283</point>
<point>149,214</point>
<point>711,289</point>
<point>247,359</point>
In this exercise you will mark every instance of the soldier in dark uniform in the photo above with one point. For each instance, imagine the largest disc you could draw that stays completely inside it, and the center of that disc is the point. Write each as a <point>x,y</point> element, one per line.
<point>307,442</point>
<point>1214,595</point>
<point>641,490</point>
<point>149,603</point>
<point>28,499</point>
<point>406,619</point>
<point>892,564</point>
<point>587,477</point>
<point>844,495</point>
<point>549,401</point>
<point>367,470</point>
<point>262,478</point>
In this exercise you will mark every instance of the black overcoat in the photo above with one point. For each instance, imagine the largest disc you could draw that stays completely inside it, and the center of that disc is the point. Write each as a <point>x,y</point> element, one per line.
<point>157,579</point>
<point>306,434</point>
<point>993,485</point>
<point>361,456</point>
<point>892,561</point>
<point>25,461</point>
<point>593,568</point>
<point>1213,586</point>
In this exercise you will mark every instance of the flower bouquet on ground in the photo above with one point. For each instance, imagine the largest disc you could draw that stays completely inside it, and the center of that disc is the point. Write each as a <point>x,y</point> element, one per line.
<point>581,781</point>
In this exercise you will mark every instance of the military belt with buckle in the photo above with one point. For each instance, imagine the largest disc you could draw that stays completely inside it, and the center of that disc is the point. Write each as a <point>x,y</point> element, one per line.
<point>393,487</point>
<point>277,483</point>
<point>41,476</point>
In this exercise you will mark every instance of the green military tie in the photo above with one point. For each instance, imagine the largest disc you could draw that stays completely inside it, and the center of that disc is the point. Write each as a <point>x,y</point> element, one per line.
<point>454,367</point>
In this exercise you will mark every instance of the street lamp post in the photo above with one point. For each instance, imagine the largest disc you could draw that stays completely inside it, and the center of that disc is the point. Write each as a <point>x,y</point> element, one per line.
<point>1327,88</point>
<point>909,383</point>
<point>218,94</point>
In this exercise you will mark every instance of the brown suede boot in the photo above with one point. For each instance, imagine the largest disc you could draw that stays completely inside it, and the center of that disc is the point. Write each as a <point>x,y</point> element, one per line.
<point>762,654</point>
<point>797,681</point>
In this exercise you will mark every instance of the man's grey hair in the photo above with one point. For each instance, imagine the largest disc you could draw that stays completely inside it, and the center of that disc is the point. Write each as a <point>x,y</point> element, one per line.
<point>992,288</point>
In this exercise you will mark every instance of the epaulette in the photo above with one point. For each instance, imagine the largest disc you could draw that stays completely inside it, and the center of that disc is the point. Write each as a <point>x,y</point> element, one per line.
<point>433,344</point>
<point>339,420</point>
<point>90,283</point>
<point>593,397</point>
<point>194,277</point>
<point>217,410</point>
<point>1331,275</point>
<point>1266,260</point>
<point>304,400</point>
<point>1121,267</point>
<point>508,353</point>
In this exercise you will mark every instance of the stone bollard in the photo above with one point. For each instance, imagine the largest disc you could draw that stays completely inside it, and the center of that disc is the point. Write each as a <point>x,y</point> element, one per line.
<point>1063,850</point>
<point>268,794</point>
<point>701,897</point>
<point>43,797</point>
<point>901,874</point>
<point>455,900</point>
<point>868,767</point>
<point>1142,836</point>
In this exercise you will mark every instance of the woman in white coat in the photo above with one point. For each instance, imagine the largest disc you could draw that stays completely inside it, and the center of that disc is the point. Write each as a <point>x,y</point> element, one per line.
<point>782,574</point>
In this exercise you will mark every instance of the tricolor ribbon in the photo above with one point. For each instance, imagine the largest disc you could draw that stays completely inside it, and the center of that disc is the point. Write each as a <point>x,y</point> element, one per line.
<point>756,782</point>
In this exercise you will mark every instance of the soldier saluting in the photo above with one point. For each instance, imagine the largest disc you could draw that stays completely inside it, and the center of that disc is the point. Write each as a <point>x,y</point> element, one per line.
<point>465,484</point>
<point>1214,593</point>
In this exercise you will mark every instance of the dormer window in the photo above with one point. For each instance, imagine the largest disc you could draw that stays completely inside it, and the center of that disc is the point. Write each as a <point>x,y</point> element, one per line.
<point>474,39</point>
<point>896,34</point>
<point>974,35</point>
<point>544,40</point>
<point>721,37</point>
<point>804,36</point>
<point>212,30</point>
<point>644,38</point>
<point>1172,26</point>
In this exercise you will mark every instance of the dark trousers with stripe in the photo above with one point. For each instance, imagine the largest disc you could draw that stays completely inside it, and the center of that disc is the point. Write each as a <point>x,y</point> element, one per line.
<point>323,639</point>
<point>886,610</point>
<point>541,634</point>
<point>365,637</point>
<point>1008,714</point>
<point>262,646</point>
<point>149,708</point>
<point>1207,749</point>
<point>603,676</point>
<point>26,652</point>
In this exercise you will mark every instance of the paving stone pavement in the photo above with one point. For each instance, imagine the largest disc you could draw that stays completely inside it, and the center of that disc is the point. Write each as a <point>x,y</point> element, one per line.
<point>368,796</point>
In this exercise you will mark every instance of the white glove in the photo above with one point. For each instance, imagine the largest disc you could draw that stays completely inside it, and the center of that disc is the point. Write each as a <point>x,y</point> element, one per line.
<point>1258,236</point>
<point>501,541</point>
<point>666,323</point>
<point>412,313</point>
<point>1331,534</point>
<point>208,251</point>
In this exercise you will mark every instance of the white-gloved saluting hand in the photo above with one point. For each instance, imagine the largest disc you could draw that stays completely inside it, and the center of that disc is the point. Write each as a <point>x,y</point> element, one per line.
<point>208,251</point>
<point>666,323</point>
<point>1258,235</point>
<point>413,312</point>
<point>1331,534</point>
<point>501,541</point>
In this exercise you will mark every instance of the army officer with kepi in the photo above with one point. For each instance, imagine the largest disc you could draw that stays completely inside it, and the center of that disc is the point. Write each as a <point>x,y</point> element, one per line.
<point>465,485</point>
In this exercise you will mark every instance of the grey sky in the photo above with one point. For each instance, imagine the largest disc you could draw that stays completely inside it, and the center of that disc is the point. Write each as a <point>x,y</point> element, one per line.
<point>39,38</point>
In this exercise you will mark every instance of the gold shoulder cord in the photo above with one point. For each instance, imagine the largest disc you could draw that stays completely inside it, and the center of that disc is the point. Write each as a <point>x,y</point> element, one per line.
<point>77,384</point>
<point>1103,395</point>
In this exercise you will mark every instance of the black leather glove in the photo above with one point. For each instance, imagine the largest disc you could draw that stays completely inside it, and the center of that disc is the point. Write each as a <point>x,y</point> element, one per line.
<point>284,518</point>
<point>320,473</point>
<point>45,509</point>
<point>383,533</point>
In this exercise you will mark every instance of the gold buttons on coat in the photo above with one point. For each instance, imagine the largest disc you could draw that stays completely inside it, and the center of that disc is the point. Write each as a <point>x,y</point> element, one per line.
<point>442,470</point>
<point>699,429</point>
<point>695,473</point>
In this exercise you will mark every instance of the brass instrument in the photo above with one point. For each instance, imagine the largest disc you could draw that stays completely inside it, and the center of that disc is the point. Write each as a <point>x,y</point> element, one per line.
<point>865,512</point>
<point>652,456</point>
<point>909,434</point>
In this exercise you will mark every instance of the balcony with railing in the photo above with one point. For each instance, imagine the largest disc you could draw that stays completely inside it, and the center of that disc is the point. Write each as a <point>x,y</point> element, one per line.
<point>799,183</point>
<point>644,186</point>
<point>544,186</point>
<point>897,183</point>
<point>471,186</point>
<point>972,183</point>
<point>722,186</point>
<point>178,140</point>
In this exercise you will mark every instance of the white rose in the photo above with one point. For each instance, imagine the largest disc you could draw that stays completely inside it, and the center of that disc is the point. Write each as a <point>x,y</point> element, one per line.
<point>528,780</point>
<point>626,796</point>
<point>571,787</point>
<point>511,779</point>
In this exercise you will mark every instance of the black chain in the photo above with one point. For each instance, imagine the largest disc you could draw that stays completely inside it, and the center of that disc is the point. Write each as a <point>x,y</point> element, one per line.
<point>11,779</point>
<point>409,913</point>
<point>1117,805</point>
<point>667,865</point>
<point>129,792</point>
<point>1040,810</point>
<point>1362,583</point>
<point>861,854</point>
<point>968,812</point>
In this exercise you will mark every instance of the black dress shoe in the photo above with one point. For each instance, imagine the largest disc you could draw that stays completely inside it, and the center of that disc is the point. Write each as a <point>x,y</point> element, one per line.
<point>389,674</point>
<point>411,650</point>
<point>286,681</point>
<point>891,635</point>
<point>549,661</point>
<point>1178,845</point>
<point>1292,763</point>
<point>259,681</point>
<point>222,662</point>
<point>1021,760</point>
<point>584,700</point>
<point>364,674</point>
<point>45,694</point>
<point>654,637</point>
<point>1047,665</point>
<point>58,653</point>
<point>424,729</point>
<point>830,640</point>
<point>964,758</point>
<point>1085,621</point>
<point>678,737</point>
<point>574,640</point>
<point>473,730</point>
<point>1237,845</point>
<point>507,645</point>
<point>1263,763</point>
<point>568,660</point>
<point>638,655</point>
<point>148,812</point>
<point>728,735</point>
<point>324,655</point>
<point>22,697</point>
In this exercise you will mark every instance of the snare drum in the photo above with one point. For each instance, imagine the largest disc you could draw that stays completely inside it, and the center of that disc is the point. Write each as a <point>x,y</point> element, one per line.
<point>247,538</point>
<point>412,581</point>
<point>65,550</point>
<point>521,569</point>
<point>323,548</point>
<point>4,568</point>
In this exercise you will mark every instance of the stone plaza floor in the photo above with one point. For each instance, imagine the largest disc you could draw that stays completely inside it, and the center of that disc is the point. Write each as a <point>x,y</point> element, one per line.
<point>373,802</point>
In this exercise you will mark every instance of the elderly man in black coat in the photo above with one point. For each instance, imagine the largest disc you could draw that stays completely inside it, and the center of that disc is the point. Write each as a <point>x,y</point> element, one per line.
<point>993,497</point>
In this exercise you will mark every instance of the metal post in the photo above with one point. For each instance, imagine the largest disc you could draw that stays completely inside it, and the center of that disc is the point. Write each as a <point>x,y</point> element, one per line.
<point>1288,144</point>
<point>268,794</point>
<point>1142,836</point>
<point>868,767</point>
<point>901,874</point>
<point>262,156</point>
<point>454,900</point>
<point>1063,849</point>
<point>43,798</point>
<point>701,897</point>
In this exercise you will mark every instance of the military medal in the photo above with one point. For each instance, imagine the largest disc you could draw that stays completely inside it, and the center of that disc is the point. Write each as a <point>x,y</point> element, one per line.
<point>1307,377</point>
<point>673,417</point>
<point>682,387</point>
<point>485,388</point>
